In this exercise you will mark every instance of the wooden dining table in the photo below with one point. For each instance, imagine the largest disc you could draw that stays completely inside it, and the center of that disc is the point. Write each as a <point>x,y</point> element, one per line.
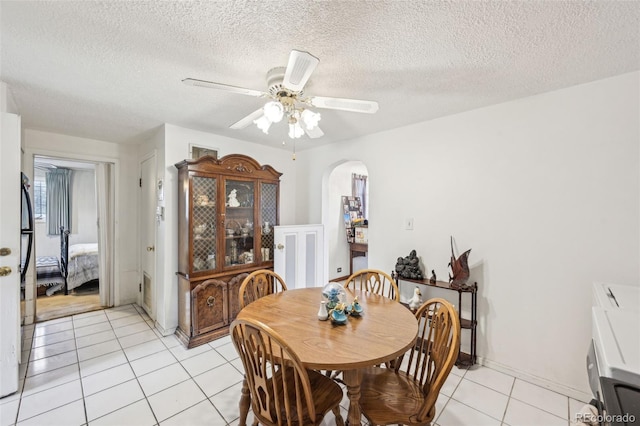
<point>384,331</point>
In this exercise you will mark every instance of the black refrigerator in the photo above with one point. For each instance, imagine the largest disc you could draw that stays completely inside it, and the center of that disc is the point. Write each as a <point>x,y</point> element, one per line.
<point>26,228</point>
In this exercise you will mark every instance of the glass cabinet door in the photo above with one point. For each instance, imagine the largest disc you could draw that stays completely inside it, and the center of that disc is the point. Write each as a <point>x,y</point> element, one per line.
<point>268,213</point>
<point>203,226</point>
<point>239,223</point>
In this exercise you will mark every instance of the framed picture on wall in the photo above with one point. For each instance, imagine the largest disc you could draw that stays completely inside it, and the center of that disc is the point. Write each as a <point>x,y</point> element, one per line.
<point>196,151</point>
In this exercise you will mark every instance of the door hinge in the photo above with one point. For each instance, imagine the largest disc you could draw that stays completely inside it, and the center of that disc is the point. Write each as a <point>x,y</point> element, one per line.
<point>140,182</point>
<point>140,287</point>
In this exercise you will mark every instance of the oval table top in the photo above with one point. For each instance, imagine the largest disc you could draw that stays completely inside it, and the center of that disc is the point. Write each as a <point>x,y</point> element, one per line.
<point>385,330</point>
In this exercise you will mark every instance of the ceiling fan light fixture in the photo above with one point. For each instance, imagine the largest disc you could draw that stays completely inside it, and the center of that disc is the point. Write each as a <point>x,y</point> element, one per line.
<point>310,118</point>
<point>274,111</point>
<point>263,124</point>
<point>286,98</point>
<point>295,130</point>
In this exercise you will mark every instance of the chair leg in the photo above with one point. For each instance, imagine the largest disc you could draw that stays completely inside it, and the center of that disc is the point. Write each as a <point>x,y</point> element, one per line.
<point>336,413</point>
<point>245,402</point>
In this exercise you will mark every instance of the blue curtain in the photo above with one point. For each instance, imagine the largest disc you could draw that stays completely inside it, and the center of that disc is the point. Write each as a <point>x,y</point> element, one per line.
<point>58,200</point>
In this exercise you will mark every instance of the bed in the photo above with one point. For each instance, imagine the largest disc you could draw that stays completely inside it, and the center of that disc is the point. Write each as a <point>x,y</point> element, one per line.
<point>82,264</point>
<point>77,264</point>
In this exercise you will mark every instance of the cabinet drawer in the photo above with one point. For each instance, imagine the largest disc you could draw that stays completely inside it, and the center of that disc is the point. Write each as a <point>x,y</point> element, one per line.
<point>210,306</point>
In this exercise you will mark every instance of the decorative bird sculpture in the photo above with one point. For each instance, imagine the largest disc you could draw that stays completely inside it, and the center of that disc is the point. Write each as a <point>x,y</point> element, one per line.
<point>416,300</point>
<point>459,268</point>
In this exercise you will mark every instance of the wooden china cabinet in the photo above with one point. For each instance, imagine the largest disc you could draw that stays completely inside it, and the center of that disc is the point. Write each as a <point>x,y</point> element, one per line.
<point>227,208</point>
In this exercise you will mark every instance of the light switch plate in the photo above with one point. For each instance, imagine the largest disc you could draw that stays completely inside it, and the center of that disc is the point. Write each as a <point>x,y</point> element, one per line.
<point>408,224</point>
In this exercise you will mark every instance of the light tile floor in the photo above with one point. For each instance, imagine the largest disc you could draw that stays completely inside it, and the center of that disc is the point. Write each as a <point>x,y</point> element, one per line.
<point>112,367</point>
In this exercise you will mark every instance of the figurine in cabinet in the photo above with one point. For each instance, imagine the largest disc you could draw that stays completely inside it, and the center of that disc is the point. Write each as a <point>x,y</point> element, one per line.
<point>232,200</point>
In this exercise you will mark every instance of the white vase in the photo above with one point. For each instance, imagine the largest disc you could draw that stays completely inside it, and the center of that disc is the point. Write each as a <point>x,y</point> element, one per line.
<point>322,312</point>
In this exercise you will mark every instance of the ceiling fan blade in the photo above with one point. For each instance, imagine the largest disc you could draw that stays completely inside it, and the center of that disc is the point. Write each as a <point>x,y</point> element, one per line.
<point>244,122</point>
<point>353,105</point>
<point>315,133</point>
<point>301,65</point>
<point>220,86</point>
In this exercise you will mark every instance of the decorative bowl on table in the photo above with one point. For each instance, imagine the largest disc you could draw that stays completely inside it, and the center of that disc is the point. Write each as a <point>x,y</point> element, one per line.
<point>354,309</point>
<point>333,294</point>
<point>338,314</point>
<point>230,232</point>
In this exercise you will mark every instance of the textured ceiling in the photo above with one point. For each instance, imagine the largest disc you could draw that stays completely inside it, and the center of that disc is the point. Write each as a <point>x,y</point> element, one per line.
<point>112,70</point>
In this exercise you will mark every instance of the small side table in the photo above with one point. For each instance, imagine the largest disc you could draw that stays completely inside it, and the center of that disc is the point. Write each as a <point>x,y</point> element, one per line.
<point>356,250</point>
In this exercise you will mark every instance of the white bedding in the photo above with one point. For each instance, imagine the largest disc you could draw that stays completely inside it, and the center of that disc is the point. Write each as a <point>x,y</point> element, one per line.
<point>83,264</point>
<point>80,249</point>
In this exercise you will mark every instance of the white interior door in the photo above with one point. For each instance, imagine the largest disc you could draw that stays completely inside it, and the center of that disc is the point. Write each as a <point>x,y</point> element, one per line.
<point>300,255</point>
<point>10,252</point>
<point>148,195</point>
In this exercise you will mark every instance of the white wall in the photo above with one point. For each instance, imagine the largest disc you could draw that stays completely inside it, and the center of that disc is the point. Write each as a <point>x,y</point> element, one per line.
<point>176,148</point>
<point>545,190</point>
<point>124,157</point>
<point>7,103</point>
<point>83,216</point>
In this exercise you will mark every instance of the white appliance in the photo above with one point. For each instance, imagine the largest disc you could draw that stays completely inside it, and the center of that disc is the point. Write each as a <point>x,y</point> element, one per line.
<point>613,360</point>
<point>616,296</point>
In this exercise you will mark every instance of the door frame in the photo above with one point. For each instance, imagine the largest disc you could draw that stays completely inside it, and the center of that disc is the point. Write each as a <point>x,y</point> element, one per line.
<point>152,187</point>
<point>328,214</point>
<point>28,161</point>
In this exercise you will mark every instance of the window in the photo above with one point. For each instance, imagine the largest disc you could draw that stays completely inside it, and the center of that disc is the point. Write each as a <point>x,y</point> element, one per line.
<point>40,199</point>
<point>359,189</point>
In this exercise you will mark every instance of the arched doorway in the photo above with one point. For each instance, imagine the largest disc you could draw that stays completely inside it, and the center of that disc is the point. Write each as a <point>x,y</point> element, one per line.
<point>336,183</point>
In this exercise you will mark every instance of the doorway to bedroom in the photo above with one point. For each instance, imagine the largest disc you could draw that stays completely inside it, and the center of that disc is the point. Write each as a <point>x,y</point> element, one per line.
<point>66,209</point>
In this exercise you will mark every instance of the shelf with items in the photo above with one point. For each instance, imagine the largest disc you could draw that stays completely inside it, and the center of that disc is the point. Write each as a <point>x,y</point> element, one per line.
<point>464,359</point>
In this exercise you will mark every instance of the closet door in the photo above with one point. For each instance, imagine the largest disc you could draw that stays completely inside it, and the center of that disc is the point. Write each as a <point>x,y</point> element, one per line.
<point>299,255</point>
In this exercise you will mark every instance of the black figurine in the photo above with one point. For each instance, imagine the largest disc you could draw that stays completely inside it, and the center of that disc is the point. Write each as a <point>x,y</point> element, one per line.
<point>432,280</point>
<point>409,266</point>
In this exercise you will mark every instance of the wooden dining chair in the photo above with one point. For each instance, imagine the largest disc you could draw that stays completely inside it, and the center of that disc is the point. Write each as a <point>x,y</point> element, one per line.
<point>374,281</point>
<point>283,391</point>
<point>258,284</point>
<point>407,393</point>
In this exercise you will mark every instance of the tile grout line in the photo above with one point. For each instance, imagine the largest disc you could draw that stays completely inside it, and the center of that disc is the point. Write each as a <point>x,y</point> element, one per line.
<point>53,387</point>
<point>84,402</point>
<point>24,379</point>
<point>134,374</point>
<point>539,408</point>
<point>513,384</point>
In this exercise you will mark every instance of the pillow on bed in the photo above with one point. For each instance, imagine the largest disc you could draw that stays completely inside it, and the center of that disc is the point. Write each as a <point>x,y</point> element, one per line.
<point>82,249</point>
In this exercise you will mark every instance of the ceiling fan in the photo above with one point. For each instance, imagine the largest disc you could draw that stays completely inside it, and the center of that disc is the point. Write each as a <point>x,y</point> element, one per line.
<point>285,89</point>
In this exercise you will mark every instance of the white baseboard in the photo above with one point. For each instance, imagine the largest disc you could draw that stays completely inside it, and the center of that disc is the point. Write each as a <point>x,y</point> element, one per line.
<point>164,332</point>
<point>577,394</point>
